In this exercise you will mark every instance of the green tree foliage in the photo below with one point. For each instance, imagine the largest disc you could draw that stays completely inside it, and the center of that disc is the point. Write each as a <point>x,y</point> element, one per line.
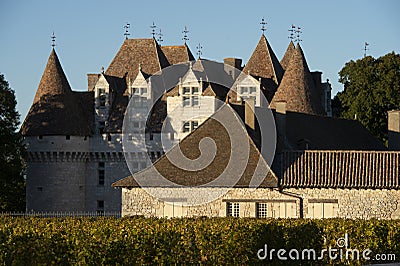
<point>12,184</point>
<point>371,88</point>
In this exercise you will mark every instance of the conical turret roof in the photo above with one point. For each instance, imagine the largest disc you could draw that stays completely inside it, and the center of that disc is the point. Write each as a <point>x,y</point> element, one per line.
<point>54,81</point>
<point>264,63</point>
<point>287,56</point>
<point>297,88</point>
<point>56,109</point>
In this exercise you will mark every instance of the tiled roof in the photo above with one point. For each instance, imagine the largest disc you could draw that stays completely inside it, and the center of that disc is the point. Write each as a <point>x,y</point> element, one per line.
<point>327,133</point>
<point>264,63</point>
<point>297,88</point>
<point>340,169</point>
<point>53,80</point>
<point>134,52</point>
<point>56,109</point>
<point>211,128</point>
<point>287,56</point>
<point>177,54</point>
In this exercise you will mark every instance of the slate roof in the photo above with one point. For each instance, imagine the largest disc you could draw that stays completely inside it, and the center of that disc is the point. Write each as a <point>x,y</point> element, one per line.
<point>211,128</point>
<point>264,63</point>
<point>177,54</point>
<point>133,52</point>
<point>297,88</point>
<point>56,109</point>
<point>287,56</point>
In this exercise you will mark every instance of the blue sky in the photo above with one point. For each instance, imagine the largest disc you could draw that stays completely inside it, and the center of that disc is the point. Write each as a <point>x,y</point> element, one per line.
<point>89,33</point>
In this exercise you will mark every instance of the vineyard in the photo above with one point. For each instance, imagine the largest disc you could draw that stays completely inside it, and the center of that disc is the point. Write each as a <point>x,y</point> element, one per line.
<point>208,241</point>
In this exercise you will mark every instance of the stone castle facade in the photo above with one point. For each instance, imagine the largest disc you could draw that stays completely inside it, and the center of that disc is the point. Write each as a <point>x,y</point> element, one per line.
<point>75,139</point>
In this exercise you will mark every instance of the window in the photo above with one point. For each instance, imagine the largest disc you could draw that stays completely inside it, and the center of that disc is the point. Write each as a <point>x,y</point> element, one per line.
<point>323,208</point>
<point>195,90</point>
<point>67,137</point>
<point>40,137</point>
<point>262,210</point>
<point>253,90</point>
<point>101,173</point>
<point>186,90</point>
<point>194,125</point>
<point>143,91</point>
<point>186,101</point>
<point>232,209</point>
<point>40,189</point>
<point>109,137</point>
<point>195,101</point>
<point>190,126</point>
<point>136,91</point>
<point>102,97</point>
<point>100,207</point>
<point>186,127</point>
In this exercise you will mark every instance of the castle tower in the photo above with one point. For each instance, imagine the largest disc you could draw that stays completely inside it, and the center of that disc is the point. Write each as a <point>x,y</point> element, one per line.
<point>56,132</point>
<point>297,88</point>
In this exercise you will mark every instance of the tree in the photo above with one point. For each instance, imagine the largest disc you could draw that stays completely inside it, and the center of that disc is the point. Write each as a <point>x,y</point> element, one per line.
<point>371,88</point>
<point>12,184</point>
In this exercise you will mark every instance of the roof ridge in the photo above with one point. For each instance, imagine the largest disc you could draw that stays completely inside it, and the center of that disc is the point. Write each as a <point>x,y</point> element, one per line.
<point>288,55</point>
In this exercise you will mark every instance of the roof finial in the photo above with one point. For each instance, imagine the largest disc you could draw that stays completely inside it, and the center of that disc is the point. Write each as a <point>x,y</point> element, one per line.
<point>126,27</point>
<point>153,30</point>
<point>185,34</point>
<point>292,30</point>
<point>102,70</point>
<point>199,48</point>
<point>297,31</point>
<point>53,40</point>
<point>365,48</point>
<point>140,67</point>
<point>263,23</point>
<point>160,39</point>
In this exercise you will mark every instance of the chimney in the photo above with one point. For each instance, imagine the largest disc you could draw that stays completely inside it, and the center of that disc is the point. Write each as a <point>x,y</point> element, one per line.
<point>249,118</point>
<point>394,130</point>
<point>280,119</point>
<point>232,66</point>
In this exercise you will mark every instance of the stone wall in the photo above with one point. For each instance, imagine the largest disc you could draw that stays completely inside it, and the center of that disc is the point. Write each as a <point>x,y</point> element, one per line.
<point>293,202</point>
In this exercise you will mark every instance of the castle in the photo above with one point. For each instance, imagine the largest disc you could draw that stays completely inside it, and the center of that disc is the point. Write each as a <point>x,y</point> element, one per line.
<point>75,139</point>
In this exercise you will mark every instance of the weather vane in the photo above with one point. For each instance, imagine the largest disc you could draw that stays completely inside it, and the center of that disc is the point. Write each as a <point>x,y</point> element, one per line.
<point>366,48</point>
<point>53,40</point>
<point>126,27</point>
<point>298,31</point>
<point>263,23</point>
<point>159,39</point>
<point>185,34</point>
<point>153,29</point>
<point>292,30</point>
<point>199,48</point>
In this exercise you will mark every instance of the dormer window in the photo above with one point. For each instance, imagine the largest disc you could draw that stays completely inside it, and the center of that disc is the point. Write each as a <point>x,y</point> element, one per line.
<point>247,92</point>
<point>102,97</point>
<point>190,96</point>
